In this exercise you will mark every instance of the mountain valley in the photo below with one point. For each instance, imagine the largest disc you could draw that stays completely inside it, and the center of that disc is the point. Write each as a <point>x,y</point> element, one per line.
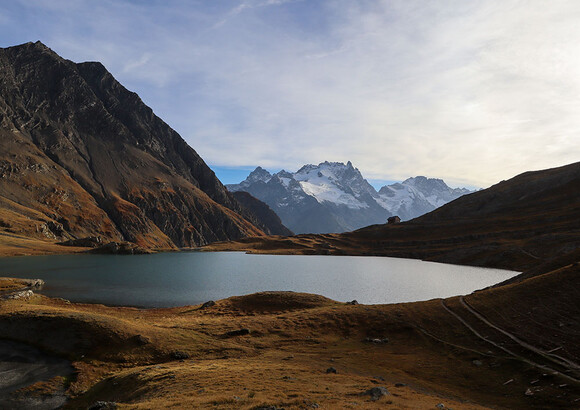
<point>84,161</point>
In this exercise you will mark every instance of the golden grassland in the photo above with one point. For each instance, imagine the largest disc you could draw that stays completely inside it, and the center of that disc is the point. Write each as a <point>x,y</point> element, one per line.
<point>21,245</point>
<point>184,358</point>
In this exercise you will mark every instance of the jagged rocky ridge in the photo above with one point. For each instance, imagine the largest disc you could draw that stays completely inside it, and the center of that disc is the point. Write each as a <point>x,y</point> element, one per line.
<point>334,197</point>
<point>80,155</point>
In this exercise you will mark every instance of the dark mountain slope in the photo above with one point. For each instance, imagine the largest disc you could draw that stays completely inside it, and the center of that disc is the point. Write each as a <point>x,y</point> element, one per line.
<point>269,222</point>
<point>517,224</point>
<point>531,218</point>
<point>103,146</point>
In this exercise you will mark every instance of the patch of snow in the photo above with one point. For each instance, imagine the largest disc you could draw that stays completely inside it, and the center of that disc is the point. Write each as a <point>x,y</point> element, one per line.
<point>324,191</point>
<point>285,181</point>
<point>325,183</point>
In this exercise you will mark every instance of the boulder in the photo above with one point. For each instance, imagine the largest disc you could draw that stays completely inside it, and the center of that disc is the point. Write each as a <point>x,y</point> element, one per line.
<point>207,304</point>
<point>179,355</point>
<point>376,393</point>
<point>141,340</point>
<point>87,242</point>
<point>376,340</point>
<point>240,332</point>
<point>24,294</point>
<point>103,405</point>
<point>35,283</point>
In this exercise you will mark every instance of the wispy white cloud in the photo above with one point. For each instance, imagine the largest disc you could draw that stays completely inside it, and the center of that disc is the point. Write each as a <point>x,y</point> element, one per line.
<point>248,5</point>
<point>142,61</point>
<point>473,92</point>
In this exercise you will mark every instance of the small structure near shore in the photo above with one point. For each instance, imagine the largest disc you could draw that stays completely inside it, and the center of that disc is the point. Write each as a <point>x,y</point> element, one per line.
<point>393,220</point>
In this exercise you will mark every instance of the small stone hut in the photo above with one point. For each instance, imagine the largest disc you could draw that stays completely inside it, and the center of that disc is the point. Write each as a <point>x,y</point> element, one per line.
<point>393,220</point>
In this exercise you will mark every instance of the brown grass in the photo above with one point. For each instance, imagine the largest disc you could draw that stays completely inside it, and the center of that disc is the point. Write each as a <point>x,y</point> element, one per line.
<point>127,355</point>
<point>21,245</point>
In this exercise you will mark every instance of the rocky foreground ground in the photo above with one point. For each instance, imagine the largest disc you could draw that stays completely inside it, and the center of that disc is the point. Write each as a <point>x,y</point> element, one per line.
<point>498,348</point>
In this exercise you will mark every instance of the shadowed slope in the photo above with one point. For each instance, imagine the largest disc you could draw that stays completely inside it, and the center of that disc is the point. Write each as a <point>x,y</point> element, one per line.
<point>268,221</point>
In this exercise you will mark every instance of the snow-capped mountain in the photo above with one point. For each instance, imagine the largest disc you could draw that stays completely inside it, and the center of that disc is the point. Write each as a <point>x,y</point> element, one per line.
<point>334,197</point>
<point>417,196</point>
<point>336,183</point>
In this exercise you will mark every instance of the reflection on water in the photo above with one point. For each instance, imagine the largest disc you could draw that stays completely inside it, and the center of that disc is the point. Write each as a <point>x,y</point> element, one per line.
<point>187,278</point>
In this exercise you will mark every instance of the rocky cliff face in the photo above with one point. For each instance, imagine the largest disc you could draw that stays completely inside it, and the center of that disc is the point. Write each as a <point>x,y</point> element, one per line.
<point>81,155</point>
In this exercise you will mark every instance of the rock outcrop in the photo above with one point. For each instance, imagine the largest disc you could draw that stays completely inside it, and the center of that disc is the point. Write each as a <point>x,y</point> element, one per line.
<point>82,156</point>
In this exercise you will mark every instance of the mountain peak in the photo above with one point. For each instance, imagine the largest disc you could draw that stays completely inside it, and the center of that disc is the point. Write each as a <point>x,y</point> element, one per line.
<point>338,198</point>
<point>30,44</point>
<point>285,174</point>
<point>308,167</point>
<point>37,46</point>
<point>434,185</point>
<point>427,183</point>
<point>417,195</point>
<point>127,175</point>
<point>335,196</point>
<point>334,166</point>
<point>259,174</point>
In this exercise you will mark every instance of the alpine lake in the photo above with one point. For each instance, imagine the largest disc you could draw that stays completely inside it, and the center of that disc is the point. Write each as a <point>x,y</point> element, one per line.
<point>189,278</point>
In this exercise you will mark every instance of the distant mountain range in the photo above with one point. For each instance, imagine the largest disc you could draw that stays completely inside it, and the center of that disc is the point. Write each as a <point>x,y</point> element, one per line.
<point>530,222</point>
<point>81,156</point>
<point>334,197</point>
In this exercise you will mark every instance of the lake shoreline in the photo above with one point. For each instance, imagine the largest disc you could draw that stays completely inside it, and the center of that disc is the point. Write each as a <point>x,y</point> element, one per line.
<point>145,281</point>
<point>293,350</point>
<point>279,347</point>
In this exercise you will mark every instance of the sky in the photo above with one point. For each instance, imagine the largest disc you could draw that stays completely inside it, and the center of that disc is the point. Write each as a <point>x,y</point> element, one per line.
<point>473,92</point>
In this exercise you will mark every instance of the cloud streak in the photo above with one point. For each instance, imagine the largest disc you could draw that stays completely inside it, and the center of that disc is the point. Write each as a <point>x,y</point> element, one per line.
<point>472,92</point>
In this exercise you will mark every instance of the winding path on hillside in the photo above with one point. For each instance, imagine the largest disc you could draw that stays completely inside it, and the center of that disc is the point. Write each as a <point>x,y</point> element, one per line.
<point>527,353</point>
<point>547,355</point>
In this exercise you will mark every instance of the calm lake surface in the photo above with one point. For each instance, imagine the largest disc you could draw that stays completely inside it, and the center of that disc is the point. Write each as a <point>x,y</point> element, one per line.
<point>188,278</point>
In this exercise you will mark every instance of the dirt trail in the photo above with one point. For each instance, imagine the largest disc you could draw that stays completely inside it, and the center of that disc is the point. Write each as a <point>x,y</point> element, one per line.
<point>525,352</point>
<point>558,360</point>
